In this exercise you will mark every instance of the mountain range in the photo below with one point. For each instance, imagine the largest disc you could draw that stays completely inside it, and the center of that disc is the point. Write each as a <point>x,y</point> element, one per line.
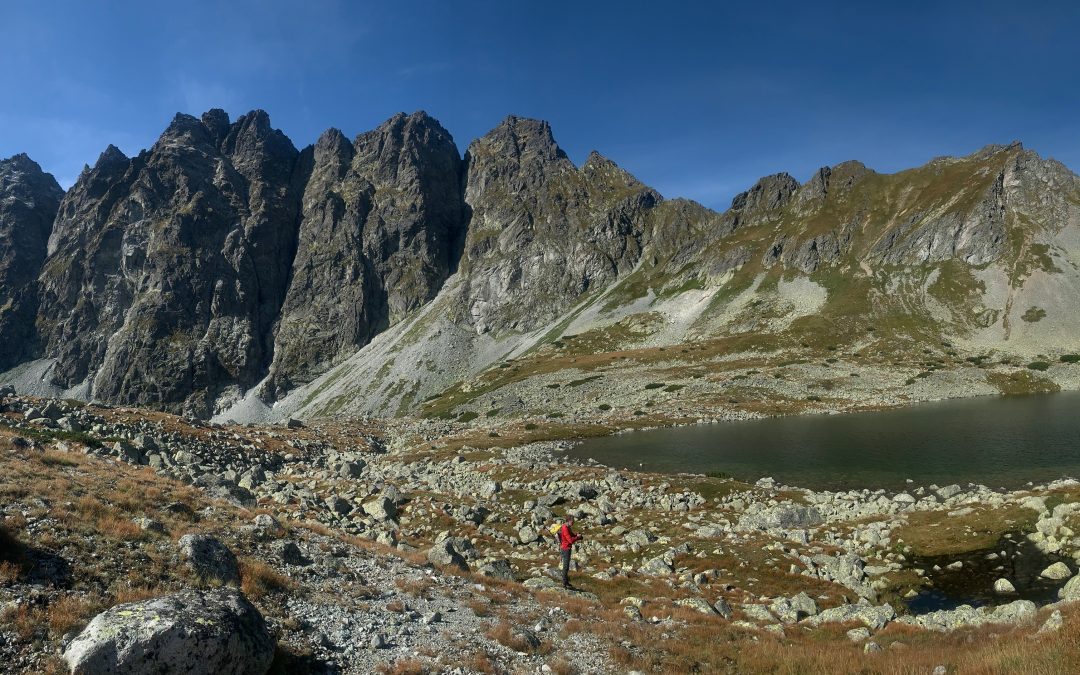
<point>224,272</point>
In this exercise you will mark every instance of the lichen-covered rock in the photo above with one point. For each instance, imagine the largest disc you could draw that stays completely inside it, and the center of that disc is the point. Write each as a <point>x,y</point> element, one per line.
<point>191,633</point>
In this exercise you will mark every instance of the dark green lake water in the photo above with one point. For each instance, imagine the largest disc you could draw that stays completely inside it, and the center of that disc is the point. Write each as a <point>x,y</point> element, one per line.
<point>996,441</point>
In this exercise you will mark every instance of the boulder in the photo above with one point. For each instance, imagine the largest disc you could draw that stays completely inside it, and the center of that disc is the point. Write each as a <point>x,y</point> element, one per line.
<point>1070,592</point>
<point>723,608</point>
<point>497,569</point>
<point>656,567</point>
<point>640,537</point>
<point>527,535</point>
<point>381,508</point>
<point>1004,587</point>
<point>288,552</point>
<point>443,554</point>
<point>858,634</point>
<point>949,491</point>
<point>758,613</point>
<point>804,605</point>
<point>1056,572</point>
<point>1053,623</point>
<point>697,604</point>
<point>192,632</point>
<point>1018,611</point>
<point>351,469</point>
<point>874,618</point>
<point>210,559</point>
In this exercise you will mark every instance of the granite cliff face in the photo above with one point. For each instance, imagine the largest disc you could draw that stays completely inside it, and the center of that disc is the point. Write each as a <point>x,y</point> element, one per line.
<point>543,232</point>
<point>29,199</point>
<point>380,230</point>
<point>224,266</point>
<point>166,272</point>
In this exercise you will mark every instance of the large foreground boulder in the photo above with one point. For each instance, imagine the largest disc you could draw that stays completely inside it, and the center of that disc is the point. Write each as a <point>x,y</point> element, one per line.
<point>193,632</point>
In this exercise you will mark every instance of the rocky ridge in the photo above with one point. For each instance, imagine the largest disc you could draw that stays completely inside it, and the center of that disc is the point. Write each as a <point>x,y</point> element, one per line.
<point>225,270</point>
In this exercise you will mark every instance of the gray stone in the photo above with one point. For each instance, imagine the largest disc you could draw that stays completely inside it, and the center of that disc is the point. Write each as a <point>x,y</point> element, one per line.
<point>723,608</point>
<point>338,505</point>
<point>640,537</point>
<point>192,633</point>
<point>498,569</point>
<point>289,553</point>
<point>804,605</point>
<point>351,469</point>
<point>527,535</point>
<point>697,604</point>
<point>1004,587</point>
<point>1053,623</point>
<point>874,618</point>
<point>858,634</point>
<point>443,554</point>
<point>210,559</point>
<point>381,508</point>
<point>758,613</point>
<point>656,567</point>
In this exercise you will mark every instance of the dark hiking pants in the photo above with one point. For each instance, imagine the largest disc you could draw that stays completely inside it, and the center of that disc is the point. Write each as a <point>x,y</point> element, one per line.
<point>566,567</point>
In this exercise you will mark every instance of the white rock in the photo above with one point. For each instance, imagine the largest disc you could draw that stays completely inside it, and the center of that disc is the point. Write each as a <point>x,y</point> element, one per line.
<point>1057,572</point>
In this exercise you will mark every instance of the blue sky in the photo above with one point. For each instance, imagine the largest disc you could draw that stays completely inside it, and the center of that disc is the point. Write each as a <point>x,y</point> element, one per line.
<point>696,99</point>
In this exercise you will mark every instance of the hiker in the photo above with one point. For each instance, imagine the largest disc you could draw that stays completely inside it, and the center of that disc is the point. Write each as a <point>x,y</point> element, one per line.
<point>567,539</point>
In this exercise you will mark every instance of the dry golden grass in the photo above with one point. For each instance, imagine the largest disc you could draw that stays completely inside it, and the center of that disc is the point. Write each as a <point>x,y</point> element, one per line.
<point>405,667</point>
<point>503,633</point>
<point>415,587</point>
<point>695,643</point>
<point>259,579</point>
<point>931,533</point>
<point>480,662</point>
<point>72,612</point>
<point>561,666</point>
<point>479,607</point>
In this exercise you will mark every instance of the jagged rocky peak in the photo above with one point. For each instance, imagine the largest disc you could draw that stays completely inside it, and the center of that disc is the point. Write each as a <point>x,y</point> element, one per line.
<point>524,137</point>
<point>769,193</point>
<point>520,154</point>
<point>217,124</point>
<point>543,232</point>
<point>605,174</point>
<point>832,181</point>
<point>380,232</point>
<point>29,199</point>
<point>166,272</point>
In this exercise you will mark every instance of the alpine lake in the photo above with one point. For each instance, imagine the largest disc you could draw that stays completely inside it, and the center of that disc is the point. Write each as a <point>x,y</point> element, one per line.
<point>999,442</point>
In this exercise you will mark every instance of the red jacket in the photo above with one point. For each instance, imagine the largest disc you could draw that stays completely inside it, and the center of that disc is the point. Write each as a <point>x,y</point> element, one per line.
<point>567,538</point>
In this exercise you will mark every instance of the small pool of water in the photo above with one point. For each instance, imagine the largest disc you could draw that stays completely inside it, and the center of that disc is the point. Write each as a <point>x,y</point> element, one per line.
<point>1013,558</point>
<point>996,441</point>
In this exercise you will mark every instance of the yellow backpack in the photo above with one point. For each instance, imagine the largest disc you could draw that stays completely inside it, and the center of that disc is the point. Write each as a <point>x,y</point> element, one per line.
<point>554,530</point>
